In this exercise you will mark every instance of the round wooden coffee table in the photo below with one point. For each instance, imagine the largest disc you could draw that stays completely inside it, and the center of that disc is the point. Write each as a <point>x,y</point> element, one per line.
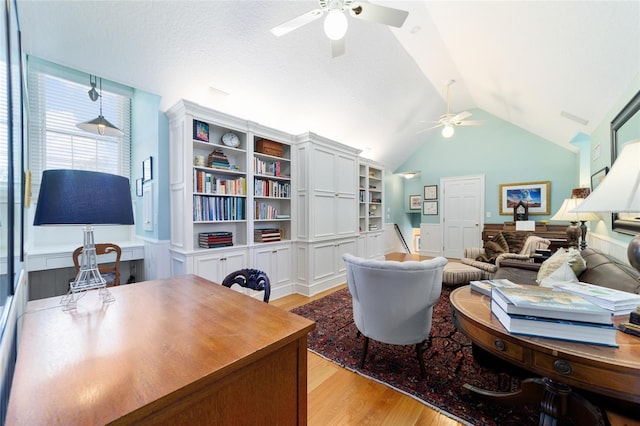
<point>614,372</point>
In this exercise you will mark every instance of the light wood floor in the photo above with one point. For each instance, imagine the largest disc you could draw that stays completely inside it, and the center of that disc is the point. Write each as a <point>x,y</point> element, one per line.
<point>337,396</point>
<point>340,397</point>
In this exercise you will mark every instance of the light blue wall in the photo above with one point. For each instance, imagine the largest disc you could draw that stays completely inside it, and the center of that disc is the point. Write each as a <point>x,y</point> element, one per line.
<point>150,138</point>
<point>601,141</point>
<point>500,151</point>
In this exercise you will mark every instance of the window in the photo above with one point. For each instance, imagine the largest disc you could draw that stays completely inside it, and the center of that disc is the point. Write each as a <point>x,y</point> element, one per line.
<point>58,100</point>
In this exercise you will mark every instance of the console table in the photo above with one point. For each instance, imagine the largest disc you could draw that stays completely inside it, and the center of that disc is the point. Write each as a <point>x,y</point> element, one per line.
<point>614,372</point>
<point>178,351</point>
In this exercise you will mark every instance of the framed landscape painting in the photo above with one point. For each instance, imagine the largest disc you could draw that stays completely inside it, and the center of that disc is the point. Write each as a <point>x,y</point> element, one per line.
<point>534,194</point>
<point>415,202</point>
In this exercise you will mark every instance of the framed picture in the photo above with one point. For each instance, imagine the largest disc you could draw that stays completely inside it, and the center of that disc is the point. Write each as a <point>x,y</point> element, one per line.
<point>147,170</point>
<point>414,202</point>
<point>429,207</point>
<point>139,187</point>
<point>200,131</point>
<point>431,192</point>
<point>534,194</point>
<point>598,176</point>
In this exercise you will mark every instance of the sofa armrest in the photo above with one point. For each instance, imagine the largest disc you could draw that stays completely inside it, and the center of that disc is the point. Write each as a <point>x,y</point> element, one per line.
<point>513,263</point>
<point>513,256</point>
<point>473,252</point>
<point>487,267</point>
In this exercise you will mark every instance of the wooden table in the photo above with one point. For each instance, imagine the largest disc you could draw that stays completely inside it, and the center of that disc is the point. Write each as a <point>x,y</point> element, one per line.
<point>614,372</point>
<point>178,351</point>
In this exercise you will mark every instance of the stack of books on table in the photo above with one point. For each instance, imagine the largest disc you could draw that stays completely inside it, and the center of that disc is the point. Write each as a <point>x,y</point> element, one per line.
<point>218,159</point>
<point>542,312</point>
<point>215,239</point>
<point>617,301</point>
<point>485,286</point>
<point>267,235</point>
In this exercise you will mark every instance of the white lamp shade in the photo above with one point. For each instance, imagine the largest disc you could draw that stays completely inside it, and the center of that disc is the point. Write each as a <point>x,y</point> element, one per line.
<point>619,192</point>
<point>566,212</point>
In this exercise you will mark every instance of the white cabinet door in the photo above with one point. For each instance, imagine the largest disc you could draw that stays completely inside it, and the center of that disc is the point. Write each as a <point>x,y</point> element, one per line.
<point>275,261</point>
<point>216,266</point>
<point>375,245</point>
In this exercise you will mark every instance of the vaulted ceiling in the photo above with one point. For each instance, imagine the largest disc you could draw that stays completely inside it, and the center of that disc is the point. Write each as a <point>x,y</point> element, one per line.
<point>523,61</point>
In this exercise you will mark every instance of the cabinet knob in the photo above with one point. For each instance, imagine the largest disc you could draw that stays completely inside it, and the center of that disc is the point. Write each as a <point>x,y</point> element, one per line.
<point>500,345</point>
<point>223,258</point>
<point>562,367</point>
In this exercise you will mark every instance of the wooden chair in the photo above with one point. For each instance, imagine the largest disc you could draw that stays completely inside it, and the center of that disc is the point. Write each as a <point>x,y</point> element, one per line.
<point>250,278</point>
<point>111,273</point>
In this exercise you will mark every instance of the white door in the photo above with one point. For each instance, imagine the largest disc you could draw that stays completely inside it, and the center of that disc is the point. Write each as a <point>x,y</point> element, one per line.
<point>462,214</point>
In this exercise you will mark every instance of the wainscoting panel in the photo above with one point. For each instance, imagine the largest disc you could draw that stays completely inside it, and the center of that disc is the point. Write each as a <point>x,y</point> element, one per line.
<point>608,245</point>
<point>430,239</point>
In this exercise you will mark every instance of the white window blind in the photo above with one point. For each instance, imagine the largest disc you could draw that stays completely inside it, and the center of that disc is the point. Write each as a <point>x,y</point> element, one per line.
<point>58,100</point>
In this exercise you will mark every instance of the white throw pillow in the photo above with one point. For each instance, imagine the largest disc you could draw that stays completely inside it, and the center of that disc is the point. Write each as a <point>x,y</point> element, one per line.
<point>576,261</point>
<point>551,264</point>
<point>564,274</point>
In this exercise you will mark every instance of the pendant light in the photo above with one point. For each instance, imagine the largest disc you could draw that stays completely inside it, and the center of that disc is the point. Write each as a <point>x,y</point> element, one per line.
<point>100,125</point>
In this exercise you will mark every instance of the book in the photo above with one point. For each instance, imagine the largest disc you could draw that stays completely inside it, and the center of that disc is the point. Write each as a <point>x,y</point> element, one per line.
<point>618,301</point>
<point>574,331</point>
<point>485,286</point>
<point>546,303</point>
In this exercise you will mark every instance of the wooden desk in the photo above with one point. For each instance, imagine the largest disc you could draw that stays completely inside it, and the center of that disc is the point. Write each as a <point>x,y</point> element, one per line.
<point>614,372</point>
<point>178,351</point>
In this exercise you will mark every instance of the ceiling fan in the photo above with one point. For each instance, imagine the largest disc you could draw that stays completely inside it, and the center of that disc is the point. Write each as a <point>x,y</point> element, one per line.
<point>335,23</point>
<point>449,120</point>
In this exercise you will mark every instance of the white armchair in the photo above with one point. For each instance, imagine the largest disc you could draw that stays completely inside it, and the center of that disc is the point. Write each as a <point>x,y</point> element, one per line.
<point>393,301</point>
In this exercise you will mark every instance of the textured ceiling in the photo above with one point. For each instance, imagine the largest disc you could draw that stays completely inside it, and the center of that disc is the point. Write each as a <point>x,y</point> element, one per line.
<point>523,61</point>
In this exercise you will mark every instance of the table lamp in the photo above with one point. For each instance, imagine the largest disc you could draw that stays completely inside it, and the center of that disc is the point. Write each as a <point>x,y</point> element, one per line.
<point>80,197</point>
<point>619,192</point>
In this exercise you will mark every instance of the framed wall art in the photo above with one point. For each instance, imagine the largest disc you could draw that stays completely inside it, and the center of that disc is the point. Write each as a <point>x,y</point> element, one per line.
<point>534,194</point>
<point>147,170</point>
<point>414,202</point>
<point>598,176</point>
<point>200,131</point>
<point>429,207</point>
<point>431,192</point>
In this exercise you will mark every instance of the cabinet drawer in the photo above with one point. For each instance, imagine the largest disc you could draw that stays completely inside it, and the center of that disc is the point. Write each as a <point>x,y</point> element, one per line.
<point>591,377</point>
<point>495,345</point>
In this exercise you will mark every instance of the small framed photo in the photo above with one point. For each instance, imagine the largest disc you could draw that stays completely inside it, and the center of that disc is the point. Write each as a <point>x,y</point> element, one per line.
<point>429,207</point>
<point>431,192</point>
<point>414,202</point>
<point>139,187</point>
<point>147,170</point>
<point>598,177</point>
<point>200,131</point>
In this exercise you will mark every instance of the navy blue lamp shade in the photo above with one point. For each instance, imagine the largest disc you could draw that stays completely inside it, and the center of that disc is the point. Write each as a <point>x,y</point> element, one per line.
<point>80,197</point>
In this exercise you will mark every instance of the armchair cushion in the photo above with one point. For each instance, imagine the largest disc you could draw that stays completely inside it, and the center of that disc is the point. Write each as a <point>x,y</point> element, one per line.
<point>493,248</point>
<point>571,256</point>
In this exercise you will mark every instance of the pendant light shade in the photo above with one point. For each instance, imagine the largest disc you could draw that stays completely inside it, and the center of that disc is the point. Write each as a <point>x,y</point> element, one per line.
<point>100,125</point>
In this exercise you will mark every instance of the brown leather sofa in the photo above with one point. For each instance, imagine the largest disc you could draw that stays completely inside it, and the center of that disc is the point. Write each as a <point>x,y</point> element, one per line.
<point>602,270</point>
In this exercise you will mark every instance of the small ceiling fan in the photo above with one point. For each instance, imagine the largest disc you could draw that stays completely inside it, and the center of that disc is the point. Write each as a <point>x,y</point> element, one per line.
<point>335,23</point>
<point>449,120</point>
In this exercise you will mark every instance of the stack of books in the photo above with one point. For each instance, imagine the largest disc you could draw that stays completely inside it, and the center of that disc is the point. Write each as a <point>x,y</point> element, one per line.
<point>218,159</point>
<point>267,235</point>
<point>485,286</point>
<point>617,301</point>
<point>215,239</point>
<point>542,312</point>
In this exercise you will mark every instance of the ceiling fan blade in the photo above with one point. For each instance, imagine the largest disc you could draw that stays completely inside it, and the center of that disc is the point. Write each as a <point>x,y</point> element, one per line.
<point>380,14</point>
<point>429,128</point>
<point>296,23</point>
<point>337,47</point>
<point>461,116</point>
<point>470,123</point>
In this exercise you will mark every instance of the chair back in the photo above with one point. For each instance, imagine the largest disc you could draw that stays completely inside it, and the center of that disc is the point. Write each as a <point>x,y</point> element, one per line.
<point>393,301</point>
<point>253,279</point>
<point>110,272</point>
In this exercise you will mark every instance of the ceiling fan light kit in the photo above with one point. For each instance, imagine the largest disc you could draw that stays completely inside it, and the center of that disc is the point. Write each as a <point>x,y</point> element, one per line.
<point>447,131</point>
<point>336,23</point>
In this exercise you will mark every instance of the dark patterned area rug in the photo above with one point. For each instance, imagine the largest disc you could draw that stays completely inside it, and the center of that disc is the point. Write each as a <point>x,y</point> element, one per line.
<point>449,361</point>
